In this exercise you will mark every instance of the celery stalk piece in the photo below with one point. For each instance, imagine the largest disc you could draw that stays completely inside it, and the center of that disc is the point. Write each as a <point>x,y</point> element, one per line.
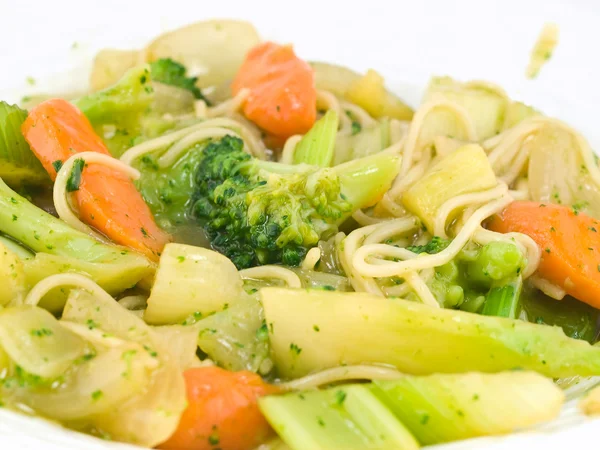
<point>62,249</point>
<point>516,112</point>
<point>349,417</point>
<point>466,170</point>
<point>315,330</point>
<point>503,301</point>
<point>18,164</point>
<point>189,280</point>
<point>442,408</point>
<point>316,147</point>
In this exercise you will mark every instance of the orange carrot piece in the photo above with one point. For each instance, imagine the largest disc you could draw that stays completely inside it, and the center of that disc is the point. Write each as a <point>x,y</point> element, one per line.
<point>108,201</point>
<point>570,244</point>
<point>283,96</point>
<point>222,411</point>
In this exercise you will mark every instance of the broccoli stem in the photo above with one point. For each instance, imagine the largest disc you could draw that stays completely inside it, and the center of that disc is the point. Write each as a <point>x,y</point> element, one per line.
<point>365,180</point>
<point>503,301</point>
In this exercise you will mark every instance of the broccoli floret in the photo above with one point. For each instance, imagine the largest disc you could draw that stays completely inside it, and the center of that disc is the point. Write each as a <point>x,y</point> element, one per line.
<point>171,72</point>
<point>258,212</point>
<point>435,245</point>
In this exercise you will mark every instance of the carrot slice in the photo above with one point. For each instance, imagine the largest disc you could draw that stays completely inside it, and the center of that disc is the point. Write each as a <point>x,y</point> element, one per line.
<point>222,411</point>
<point>107,199</point>
<point>283,96</point>
<point>570,244</point>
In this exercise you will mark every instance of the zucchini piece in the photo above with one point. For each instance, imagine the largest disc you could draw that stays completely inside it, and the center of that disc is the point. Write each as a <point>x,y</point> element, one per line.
<point>18,164</point>
<point>357,328</point>
<point>442,408</point>
<point>485,107</point>
<point>463,171</point>
<point>348,417</point>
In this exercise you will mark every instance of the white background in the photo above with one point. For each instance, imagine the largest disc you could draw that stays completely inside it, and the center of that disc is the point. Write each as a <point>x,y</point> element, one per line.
<point>405,41</point>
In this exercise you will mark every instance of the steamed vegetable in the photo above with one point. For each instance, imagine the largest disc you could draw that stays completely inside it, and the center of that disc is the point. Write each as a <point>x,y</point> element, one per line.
<point>503,300</point>
<point>560,170</point>
<point>349,417</point>
<point>442,408</point>
<point>222,411</point>
<point>85,377</point>
<point>236,338</point>
<point>151,417</point>
<point>110,65</point>
<point>213,50</point>
<point>570,245</point>
<point>283,97</point>
<point>107,199</point>
<point>352,327</point>
<point>516,112</point>
<point>364,143</point>
<point>59,248</point>
<point>368,90</point>
<point>18,164</point>
<point>485,107</point>
<point>117,112</point>
<point>542,50</point>
<point>172,73</point>
<point>35,339</point>
<point>13,276</point>
<point>257,212</point>
<point>191,280</point>
<point>466,170</point>
<point>369,93</point>
<point>317,146</point>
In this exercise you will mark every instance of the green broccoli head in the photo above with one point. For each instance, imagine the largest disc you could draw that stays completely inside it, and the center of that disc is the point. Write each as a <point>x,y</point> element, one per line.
<point>258,212</point>
<point>171,72</point>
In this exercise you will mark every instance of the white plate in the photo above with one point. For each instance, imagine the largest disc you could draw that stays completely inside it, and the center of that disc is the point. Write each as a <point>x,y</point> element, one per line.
<point>405,41</point>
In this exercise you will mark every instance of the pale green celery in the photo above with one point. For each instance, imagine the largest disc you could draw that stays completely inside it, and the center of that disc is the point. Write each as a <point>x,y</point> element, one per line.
<point>349,417</point>
<point>503,300</point>
<point>364,143</point>
<point>516,112</point>
<point>60,249</point>
<point>315,330</point>
<point>466,170</point>
<point>18,164</point>
<point>316,147</point>
<point>443,408</point>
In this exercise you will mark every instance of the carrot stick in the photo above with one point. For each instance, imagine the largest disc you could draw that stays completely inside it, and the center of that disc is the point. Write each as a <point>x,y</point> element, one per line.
<point>222,411</point>
<point>107,200</point>
<point>570,244</point>
<point>283,96</point>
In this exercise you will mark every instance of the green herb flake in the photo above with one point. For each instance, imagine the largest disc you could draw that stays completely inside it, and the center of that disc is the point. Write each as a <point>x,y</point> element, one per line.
<point>340,397</point>
<point>316,328</point>
<point>57,165</point>
<point>74,179</point>
<point>97,395</point>
<point>91,324</point>
<point>181,259</point>
<point>144,232</point>
<point>14,217</point>
<point>295,349</point>
<point>41,332</point>
<point>424,419</point>
<point>356,127</point>
<point>320,421</point>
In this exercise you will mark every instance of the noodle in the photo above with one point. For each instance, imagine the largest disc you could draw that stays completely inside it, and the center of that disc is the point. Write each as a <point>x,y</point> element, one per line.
<point>38,292</point>
<point>343,373</point>
<point>312,258</point>
<point>273,272</point>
